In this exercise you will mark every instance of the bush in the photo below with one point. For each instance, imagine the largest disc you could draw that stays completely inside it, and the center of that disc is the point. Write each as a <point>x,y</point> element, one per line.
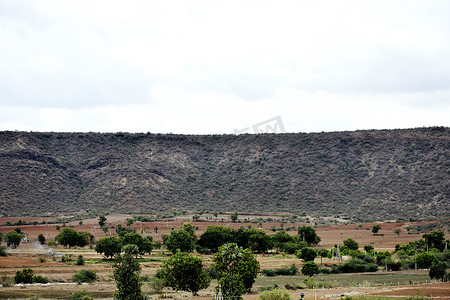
<point>40,279</point>
<point>24,276</point>
<point>283,271</point>
<point>3,251</point>
<point>41,260</point>
<point>268,272</point>
<point>275,294</point>
<point>83,295</point>
<point>84,276</point>
<point>80,260</point>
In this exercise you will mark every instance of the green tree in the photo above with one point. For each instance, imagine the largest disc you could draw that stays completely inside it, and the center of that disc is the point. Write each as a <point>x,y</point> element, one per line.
<point>70,237</point>
<point>215,236</point>
<point>397,231</point>
<point>368,248</point>
<point>109,246</point>
<point>376,228</point>
<point>105,228</point>
<point>259,241</point>
<point>308,234</point>
<point>437,270</point>
<point>12,238</point>
<point>180,239</point>
<point>234,217</point>
<point>126,275</point>
<point>280,238</point>
<point>156,229</point>
<point>183,271</point>
<point>307,254</point>
<point>351,244</point>
<point>236,268</point>
<point>1,237</point>
<point>189,228</point>
<point>425,260</point>
<point>130,222</point>
<point>144,245</point>
<point>102,220</point>
<point>309,268</point>
<point>41,239</point>
<point>80,260</point>
<point>435,239</point>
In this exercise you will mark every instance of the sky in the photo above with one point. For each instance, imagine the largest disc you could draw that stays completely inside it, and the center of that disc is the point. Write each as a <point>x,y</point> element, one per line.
<point>221,67</point>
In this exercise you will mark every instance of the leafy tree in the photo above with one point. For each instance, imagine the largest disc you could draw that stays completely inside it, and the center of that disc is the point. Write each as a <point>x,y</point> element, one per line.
<point>102,220</point>
<point>280,238</point>
<point>307,254</point>
<point>189,228</point>
<point>368,248</point>
<point>183,271</point>
<point>156,229</point>
<point>234,217</point>
<point>425,260</point>
<point>310,268</point>
<point>308,234</point>
<point>435,239</point>
<point>41,239</point>
<point>126,275</point>
<point>130,222</point>
<point>121,231</point>
<point>144,245</point>
<point>236,268</point>
<point>1,237</point>
<point>85,276</point>
<point>109,246</point>
<point>18,230</point>
<point>195,217</point>
<point>215,236</point>
<point>259,241</point>
<point>180,239</point>
<point>12,238</point>
<point>70,237</point>
<point>351,244</point>
<point>437,270</point>
<point>105,228</point>
<point>397,231</point>
<point>376,228</point>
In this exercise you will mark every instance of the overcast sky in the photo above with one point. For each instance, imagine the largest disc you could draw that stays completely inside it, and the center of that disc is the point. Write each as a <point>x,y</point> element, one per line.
<point>202,67</point>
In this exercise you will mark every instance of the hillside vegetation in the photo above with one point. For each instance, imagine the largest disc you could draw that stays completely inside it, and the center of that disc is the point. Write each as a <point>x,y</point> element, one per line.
<point>364,175</point>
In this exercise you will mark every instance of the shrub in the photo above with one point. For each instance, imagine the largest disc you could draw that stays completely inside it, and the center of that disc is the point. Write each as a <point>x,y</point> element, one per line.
<point>268,272</point>
<point>24,276</point>
<point>80,260</point>
<point>84,276</point>
<point>83,295</point>
<point>275,294</point>
<point>40,279</point>
<point>3,251</point>
<point>41,260</point>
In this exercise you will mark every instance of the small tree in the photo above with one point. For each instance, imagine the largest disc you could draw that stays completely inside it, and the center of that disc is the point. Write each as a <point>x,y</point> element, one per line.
<point>275,294</point>
<point>437,270</point>
<point>41,238</point>
<point>13,239</point>
<point>376,228</point>
<point>156,229</point>
<point>70,237</point>
<point>126,275</point>
<point>310,269</point>
<point>234,217</point>
<point>307,254</point>
<point>180,239</point>
<point>109,246</point>
<point>308,234</point>
<point>1,237</point>
<point>102,220</point>
<point>130,222</point>
<point>105,228</point>
<point>183,271</point>
<point>351,244</point>
<point>397,231</point>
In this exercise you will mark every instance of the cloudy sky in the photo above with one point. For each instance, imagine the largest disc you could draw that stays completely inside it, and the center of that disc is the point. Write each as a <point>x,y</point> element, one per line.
<point>202,67</point>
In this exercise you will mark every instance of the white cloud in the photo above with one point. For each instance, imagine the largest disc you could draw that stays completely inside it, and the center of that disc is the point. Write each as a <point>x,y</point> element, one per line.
<point>211,67</point>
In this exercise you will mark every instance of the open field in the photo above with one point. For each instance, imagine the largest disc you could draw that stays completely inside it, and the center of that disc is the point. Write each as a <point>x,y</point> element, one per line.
<point>378,284</point>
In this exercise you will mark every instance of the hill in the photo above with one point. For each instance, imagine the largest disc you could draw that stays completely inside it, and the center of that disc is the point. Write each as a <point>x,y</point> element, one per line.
<point>364,175</point>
